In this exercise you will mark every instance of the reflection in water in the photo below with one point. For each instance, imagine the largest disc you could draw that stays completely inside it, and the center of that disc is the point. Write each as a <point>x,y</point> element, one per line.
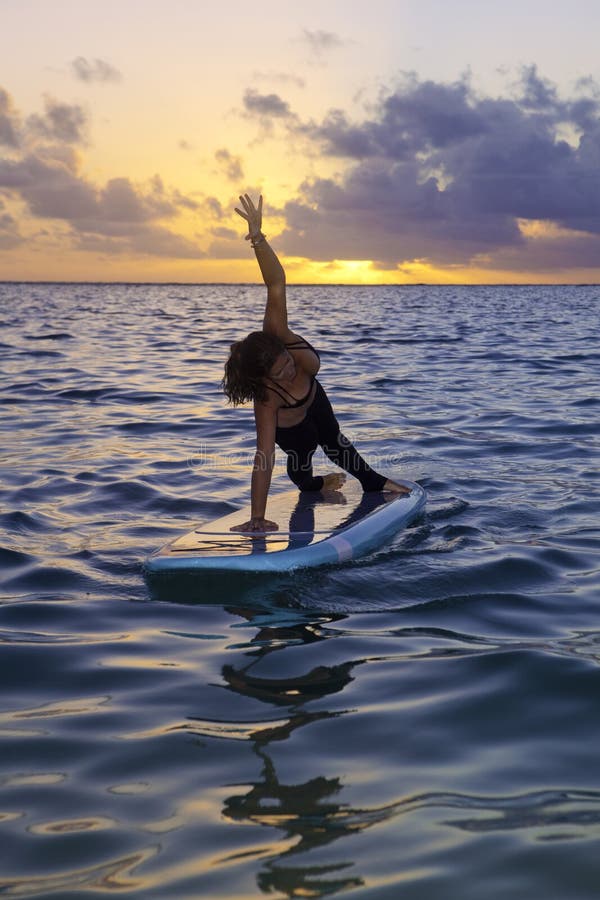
<point>118,875</point>
<point>302,518</point>
<point>312,811</point>
<point>306,812</point>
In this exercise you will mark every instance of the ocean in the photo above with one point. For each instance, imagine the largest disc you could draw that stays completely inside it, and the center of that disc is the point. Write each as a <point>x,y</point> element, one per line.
<point>421,723</point>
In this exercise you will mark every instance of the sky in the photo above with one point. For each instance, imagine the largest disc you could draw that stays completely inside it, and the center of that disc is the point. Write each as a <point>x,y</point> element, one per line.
<point>414,141</point>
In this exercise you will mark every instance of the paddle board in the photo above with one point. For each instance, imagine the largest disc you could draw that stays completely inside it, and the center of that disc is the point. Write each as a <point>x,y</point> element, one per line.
<point>315,529</point>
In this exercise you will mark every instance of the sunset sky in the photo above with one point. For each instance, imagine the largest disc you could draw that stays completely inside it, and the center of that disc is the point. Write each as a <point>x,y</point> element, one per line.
<point>394,141</point>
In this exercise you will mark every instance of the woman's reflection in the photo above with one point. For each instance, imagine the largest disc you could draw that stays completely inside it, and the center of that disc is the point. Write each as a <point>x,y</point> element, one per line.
<point>312,811</point>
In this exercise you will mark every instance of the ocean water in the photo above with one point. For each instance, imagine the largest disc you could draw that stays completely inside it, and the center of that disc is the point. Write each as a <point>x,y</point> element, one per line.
<point>421,723</point>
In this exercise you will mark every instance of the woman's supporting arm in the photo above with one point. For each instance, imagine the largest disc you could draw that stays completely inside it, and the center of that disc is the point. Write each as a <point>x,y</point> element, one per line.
<point>260,483</point>
<point>266,423</point>
<point>262,469</point>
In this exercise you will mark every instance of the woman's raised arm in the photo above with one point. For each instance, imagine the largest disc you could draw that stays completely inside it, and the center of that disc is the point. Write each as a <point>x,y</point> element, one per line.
<point>275,320</point>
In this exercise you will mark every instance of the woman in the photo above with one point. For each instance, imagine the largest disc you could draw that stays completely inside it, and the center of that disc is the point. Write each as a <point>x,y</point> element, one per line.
<point>276,368</point>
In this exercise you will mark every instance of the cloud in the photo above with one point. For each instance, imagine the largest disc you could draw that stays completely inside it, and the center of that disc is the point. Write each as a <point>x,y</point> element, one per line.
<point>280,77</point>
<point>268,110</point>
<point>50,188</point>
<point>9,123</point>
<point>61,122</point>
<point>418,117</point>
<point>227,234</point>
<point>214,207</point>
<point>149,240</point>
<point>117,217</point>
<point>9,230</point>
<point>98,70</point>
<point>536,93</point>
<point>120,201</point>
<point>320,43</point>
<point>438,172</point>
<point>231,165</point>
<point>225,247</point>
<point>269,106</point>
<point>555,252</point>
<point>181,201</point>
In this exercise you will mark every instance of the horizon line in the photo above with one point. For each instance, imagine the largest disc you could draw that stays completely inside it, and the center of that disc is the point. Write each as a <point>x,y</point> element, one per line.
<point>314,283</point>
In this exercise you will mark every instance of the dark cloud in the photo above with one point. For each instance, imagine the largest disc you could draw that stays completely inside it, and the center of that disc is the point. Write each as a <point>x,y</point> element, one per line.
<point>419,117</point>
<point>97,70</point>
<point>269,106</point>
<point>537,93</point>
<point>231,165</point>
<point>9,124</point>
<point>386,213</point>
<point>438,172</point>
<point>61,122</point>
<point>339,137</point>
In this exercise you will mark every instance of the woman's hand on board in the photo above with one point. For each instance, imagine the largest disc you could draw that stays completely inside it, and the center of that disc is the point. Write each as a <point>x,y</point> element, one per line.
<point>252,215</point>
<point>257,525</point>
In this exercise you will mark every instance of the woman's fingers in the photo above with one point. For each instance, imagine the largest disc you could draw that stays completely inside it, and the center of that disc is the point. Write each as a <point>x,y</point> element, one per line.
<point>249,206</point>
<point>256,526</point>
<point>247,203</point>
<point>250,213</point>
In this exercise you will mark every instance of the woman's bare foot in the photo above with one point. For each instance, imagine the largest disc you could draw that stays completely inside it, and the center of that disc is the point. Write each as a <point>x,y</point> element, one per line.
<point>395,488</point>
<point>333,481</point>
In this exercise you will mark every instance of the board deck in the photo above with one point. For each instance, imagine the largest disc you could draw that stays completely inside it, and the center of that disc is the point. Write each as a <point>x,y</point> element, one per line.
<point>314,529</point>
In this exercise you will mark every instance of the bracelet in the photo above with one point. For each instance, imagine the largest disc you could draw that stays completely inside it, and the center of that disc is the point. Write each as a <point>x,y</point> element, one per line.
<point>259,239</point>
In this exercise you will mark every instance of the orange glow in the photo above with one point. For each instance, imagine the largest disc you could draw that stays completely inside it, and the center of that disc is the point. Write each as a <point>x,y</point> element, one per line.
<point>543,229</point>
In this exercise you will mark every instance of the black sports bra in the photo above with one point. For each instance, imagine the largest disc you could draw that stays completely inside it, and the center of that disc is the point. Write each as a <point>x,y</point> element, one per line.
<point>296,345</point>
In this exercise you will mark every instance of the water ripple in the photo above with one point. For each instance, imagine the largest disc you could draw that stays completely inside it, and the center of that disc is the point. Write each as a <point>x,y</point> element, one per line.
<point>419,723</point>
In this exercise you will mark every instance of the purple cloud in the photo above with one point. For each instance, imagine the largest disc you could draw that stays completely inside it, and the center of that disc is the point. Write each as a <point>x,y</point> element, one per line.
<point>269,106</point>
<point>441,173</point>
<point>61,122</point>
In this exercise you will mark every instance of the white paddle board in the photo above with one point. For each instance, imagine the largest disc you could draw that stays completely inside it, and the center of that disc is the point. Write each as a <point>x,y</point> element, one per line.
<point>315,529</point>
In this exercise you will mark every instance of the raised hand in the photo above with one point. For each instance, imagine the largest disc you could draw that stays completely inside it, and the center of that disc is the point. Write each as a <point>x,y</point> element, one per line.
<point>251,214</point>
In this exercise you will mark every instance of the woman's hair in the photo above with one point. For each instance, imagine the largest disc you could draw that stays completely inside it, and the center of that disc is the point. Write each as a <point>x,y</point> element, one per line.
<point>249,361</point>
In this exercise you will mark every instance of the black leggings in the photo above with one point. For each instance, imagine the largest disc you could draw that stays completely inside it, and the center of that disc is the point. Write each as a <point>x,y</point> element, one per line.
<point>320,428</point>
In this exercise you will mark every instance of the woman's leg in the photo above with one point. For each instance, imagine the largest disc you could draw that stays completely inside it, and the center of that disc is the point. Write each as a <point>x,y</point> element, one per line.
<point>300,442</point>
<point>337,446</point>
